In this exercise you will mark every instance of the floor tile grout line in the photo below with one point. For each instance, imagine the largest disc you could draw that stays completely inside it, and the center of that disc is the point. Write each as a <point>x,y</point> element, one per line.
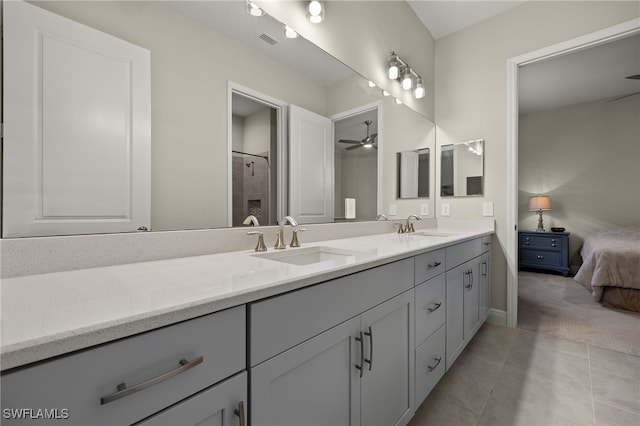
<point>593,403</point>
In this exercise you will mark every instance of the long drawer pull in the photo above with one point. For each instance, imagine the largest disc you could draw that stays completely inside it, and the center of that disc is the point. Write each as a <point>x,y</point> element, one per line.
<point>434,307</point>
<point>370,360</point>
<point>123,390</point>
<point>240,413</point>
<point>430,368</point>
<point>361,340</point>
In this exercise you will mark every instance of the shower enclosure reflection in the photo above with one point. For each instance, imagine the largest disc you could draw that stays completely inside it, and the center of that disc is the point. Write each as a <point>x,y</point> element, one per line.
<point>254,164</point>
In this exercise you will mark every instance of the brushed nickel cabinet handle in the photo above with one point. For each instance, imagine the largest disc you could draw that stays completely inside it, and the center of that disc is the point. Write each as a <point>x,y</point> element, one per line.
<point>430,368</point>
<point>540,257</point>
<point>240,413</point>
<point>123,390</point>
<point>485,268</point>
<point>361,340</point>
<point>434,307</point>
<point>435,265</point>
<point>370,360</point>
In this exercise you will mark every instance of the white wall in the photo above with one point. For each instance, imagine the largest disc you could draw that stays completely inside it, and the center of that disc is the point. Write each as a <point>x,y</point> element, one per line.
<point>471,91</point>
<point>586,157</point>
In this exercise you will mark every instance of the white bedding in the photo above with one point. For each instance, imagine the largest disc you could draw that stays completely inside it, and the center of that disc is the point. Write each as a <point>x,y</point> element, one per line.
<point>610,259</point>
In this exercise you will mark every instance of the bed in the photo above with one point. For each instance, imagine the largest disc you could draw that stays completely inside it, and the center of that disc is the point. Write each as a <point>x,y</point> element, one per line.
<point>611,267</point>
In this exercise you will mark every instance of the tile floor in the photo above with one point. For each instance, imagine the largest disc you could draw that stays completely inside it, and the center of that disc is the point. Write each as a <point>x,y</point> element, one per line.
<point>514,377</point>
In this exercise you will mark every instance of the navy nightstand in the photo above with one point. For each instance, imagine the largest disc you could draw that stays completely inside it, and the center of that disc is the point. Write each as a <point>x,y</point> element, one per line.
<point>544,250</point>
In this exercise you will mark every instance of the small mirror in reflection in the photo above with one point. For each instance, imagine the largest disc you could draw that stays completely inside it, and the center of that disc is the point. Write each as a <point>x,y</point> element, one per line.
<point>462,169</point>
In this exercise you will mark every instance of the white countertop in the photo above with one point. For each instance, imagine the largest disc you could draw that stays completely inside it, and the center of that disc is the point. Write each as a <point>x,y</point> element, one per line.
<point>52,314</point>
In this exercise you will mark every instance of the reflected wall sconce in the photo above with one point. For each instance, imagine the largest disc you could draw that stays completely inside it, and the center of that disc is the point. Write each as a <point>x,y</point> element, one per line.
<point>539,203</point>
<point>253,9</point>
<point>315,12</point>
<point>399,69</point>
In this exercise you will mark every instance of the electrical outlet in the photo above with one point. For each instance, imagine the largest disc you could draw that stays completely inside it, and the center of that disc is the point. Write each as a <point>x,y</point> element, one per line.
<point>487,208</point>
<point>392,209</point>
<point>424,209</point>
<point>446,209</point>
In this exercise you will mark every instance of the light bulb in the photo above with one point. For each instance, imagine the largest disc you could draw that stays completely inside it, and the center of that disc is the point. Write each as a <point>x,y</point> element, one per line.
<point>419,92</point>
<point>393,69</point>
<point>254,10</point>
<point>407,81</point>
<point>289,32</point>
<point>385,93</point>
<point>315,8</point>
<point>371,84</point>
<point>398,101</point>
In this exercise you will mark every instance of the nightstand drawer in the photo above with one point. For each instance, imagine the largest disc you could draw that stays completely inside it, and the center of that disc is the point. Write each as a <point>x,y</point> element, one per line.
<point>540,257</point>
<point>546,242</point>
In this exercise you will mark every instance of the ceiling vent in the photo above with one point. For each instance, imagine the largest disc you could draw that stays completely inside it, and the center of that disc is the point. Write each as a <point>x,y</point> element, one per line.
<point>268,39</point>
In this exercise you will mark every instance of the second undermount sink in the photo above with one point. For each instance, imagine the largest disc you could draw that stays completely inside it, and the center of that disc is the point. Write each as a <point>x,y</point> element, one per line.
<point>308,255</point>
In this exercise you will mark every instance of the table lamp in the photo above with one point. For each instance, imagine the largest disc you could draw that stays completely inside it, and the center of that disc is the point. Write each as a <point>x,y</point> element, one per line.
<point>539,203</point>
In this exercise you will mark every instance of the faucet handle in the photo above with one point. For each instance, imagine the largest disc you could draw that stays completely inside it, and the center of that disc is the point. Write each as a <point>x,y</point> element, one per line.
<point>260,246</point>
<point>401,228</point>
<point>411,228</point>
<point>294,237</point>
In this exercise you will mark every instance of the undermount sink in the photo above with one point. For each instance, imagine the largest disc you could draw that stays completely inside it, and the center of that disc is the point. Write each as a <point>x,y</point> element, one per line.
<point>431,234</point>
<point>308,255</point>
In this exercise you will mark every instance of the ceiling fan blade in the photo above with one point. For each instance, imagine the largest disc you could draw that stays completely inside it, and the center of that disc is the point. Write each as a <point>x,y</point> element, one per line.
<point>354,147</point>
<point>373,136</point>
<point>349,141</point>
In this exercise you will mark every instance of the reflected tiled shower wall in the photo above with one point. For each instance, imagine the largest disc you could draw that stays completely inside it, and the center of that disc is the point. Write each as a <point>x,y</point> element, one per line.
<point>251,188</point>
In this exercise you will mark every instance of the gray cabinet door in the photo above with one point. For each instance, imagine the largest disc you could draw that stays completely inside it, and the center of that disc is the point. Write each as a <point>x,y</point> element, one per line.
<point>455,313</point>
<point>313,383</point>
<point>220,405</point>
<point>387,387</point>
<point>471,298</point>
<point>485,285</point>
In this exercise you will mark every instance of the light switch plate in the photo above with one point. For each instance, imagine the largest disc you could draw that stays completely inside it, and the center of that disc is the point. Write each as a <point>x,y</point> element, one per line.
<point>424,209</point>
<point>392,209</point>
<point>487,208</point>
<point>446,209</point>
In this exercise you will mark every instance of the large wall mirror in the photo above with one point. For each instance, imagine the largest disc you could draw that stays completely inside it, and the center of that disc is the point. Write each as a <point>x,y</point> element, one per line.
<point>198,51</point>
<point>462,169</point>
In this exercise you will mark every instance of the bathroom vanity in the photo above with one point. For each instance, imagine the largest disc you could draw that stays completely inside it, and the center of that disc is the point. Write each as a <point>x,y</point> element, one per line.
<point>351,331</point>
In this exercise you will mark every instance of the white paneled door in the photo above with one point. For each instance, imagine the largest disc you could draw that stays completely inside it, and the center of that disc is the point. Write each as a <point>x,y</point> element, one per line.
<point>77,124</point>
<point>311,175</point>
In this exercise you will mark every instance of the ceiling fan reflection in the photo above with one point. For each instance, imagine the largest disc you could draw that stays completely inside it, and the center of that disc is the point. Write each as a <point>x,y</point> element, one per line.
<point>368,142</point>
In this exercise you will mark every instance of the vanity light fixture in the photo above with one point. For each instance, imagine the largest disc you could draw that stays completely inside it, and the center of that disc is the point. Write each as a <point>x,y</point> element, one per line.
<point>253,9</point>
<point>290,32</point>
<point>419,91</point>
<point>398,69</point>
<point>315,12</point>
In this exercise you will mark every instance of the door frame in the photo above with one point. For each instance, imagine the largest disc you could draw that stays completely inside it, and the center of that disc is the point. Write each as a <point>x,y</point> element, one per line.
<point>586,41</point>
<point>281,108</point>
<point>359,110</point>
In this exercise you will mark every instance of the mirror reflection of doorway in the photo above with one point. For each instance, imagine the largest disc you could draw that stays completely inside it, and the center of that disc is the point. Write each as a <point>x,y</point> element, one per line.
<point>254,160</point>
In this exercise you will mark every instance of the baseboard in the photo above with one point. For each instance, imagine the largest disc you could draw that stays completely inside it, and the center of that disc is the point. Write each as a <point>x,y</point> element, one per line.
<point>497,316</point>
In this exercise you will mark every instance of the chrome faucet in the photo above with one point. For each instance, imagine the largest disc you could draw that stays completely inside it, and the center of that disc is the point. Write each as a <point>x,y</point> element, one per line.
<point>280,241</point>
<point>409,226</point>
<point>251,220</point>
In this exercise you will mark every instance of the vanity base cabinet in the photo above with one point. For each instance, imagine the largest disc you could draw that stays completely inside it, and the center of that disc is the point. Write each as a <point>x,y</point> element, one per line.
<point>128,380</point>
<point>220,405</point>
<point>357,373</point>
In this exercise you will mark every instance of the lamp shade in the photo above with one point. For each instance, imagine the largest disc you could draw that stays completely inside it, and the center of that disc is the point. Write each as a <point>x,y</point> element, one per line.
<point>539,202</point>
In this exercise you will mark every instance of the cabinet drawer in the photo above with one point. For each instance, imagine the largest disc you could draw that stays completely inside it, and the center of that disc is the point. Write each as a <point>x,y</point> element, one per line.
<point>213,406</point>
<point>460,253</point>
<point>282,322</point>
<point>545,242</point>
<point>81,381</point>
<point>428,265</point>
<point>430,363</point>
<point>487,241</point>
<point>430,307</point>
<point>540,257</point>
